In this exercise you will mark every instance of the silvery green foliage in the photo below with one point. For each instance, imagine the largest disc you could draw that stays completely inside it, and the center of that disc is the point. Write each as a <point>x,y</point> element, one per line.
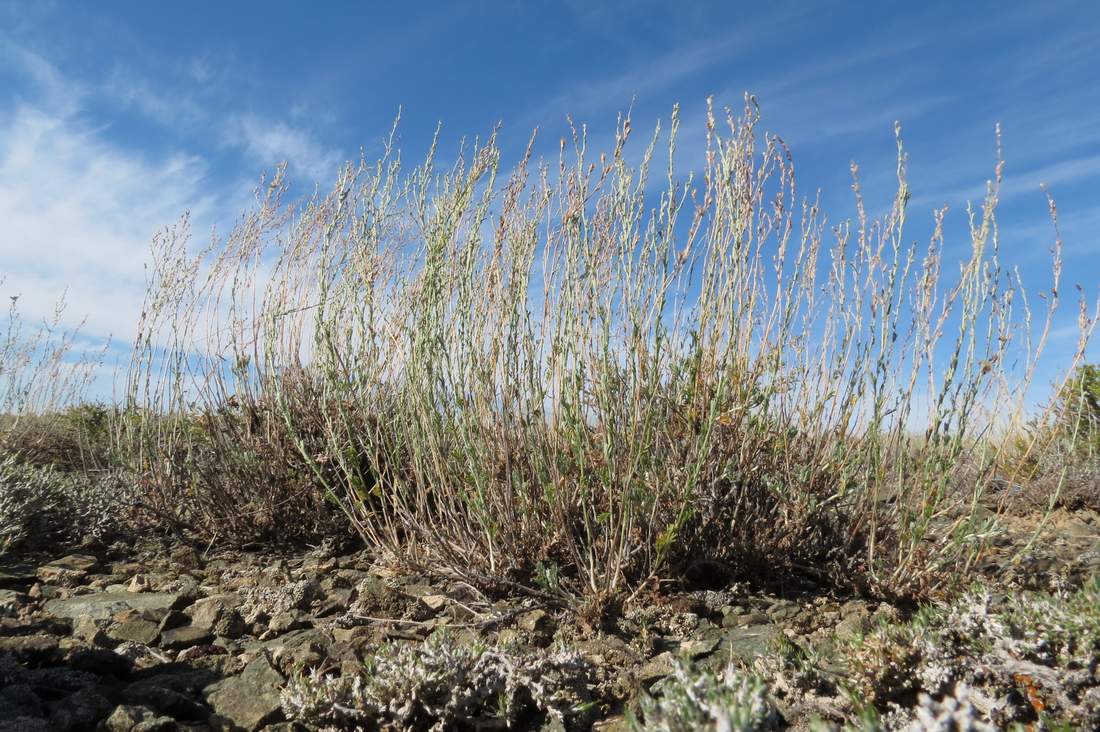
<point>49,505</point>
<point>952,713</point>
<point>441,684</point>
<point>1016,655</point>
<point>700,700</point>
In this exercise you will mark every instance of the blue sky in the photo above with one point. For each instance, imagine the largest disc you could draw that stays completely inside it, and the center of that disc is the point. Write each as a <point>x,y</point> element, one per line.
<point>116,117</point>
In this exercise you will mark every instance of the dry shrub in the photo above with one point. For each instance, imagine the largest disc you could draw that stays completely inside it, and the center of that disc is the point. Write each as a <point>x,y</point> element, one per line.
<point>588,371</point>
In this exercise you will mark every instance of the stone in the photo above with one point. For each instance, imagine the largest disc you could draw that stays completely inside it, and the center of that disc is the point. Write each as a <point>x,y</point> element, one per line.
<point>534,621</point>
<point>250,700</point>
<point>219,615</point>
<point>742,644</point>
<point>174,619</point>
<point>102,606</point>
<point>92,631</point>
<point>168,702</point>
<point>782,610</point>
<point>80,710</point>
<point>656,668</point>
<point>136,630</point>
<point>19,700</point>
<point>17,573</point>
<point>694,649</point>
<point>10,602</point>
<point>140,583</point>
<point>194,653</point>
<point>100,661</point>
<point>67,571</point>
<point>141,656</point>
<point>287,621</point>
<point>38,648</point>
<point>132,718</point>
<point>40,591</point>
<point>434,602</point>
<point>26,724</point>
<point>185,637</point>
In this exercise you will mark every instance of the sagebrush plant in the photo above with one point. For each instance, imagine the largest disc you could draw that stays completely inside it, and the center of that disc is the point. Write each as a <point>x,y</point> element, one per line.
<point>444,684</point>
<point>1021,658</point>
<point>43,506</point>
<point>602,366</point>
<point>694,699</point>
<point>49,445</point>
<point>44,377</point>
<point>1065,471</point>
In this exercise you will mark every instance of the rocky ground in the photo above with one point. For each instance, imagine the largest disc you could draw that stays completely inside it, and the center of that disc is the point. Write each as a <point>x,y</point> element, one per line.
<point>156,637</point>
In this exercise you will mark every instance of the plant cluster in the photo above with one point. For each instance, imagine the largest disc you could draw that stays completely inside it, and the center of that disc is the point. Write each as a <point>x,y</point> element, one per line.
<point>601,366</point>
<point>1024,659</point>
<point>44,507</point>
<point>693,699</point>
<point>445,684</point>
<point>578,378</point>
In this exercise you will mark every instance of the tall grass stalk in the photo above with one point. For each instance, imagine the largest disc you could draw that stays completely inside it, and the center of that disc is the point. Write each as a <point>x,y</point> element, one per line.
<point>583,378</point>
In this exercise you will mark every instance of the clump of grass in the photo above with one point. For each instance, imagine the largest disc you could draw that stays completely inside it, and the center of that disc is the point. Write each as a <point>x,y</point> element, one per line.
<point>1065,471</point>
<point>601,366</point>
<point>43,380</point>
<point>49,445</point>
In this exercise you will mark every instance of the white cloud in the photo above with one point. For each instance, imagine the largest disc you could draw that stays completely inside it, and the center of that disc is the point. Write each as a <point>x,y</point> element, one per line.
<point>164,107</point>
<point>77,212</point>
<point>271,142</point>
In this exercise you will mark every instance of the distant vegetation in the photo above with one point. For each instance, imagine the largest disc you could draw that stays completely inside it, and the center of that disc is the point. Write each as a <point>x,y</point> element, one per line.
<point>574,379</point>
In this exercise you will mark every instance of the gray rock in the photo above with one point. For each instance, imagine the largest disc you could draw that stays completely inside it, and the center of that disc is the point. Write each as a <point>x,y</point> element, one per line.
<point>10,602</point>
<point>219,615</point>
<point>167,702</point>
<point>80,710</point>
<point>91,631</point>
<point>185,637</point>
<point>136,630</point>
<point>19,700</point>
<point>744,644</point>
<point>129,718</point>
<point>287,621</point>
<point>783,610</point>
<point>19,573</point>
<point>68,570</point>
<point>100,661</point>
<point>657,668</point>
<point>25,724</point>
<point>103,605</point>
<point>250,700</point>
<point>38,648</point>
<point>698,648</point>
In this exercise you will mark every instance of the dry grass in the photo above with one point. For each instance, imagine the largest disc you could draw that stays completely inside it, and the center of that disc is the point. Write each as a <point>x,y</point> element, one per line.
<point>585,378</point>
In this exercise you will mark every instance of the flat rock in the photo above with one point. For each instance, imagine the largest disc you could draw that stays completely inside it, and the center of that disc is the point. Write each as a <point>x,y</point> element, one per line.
<point>10,602</point>
<point>67,570</point>
<point>250,700</point>
<point>103,605</point>
<point>15,573</point>
<point>751,641</point>
<point>185,637</point>
<point>127,718</point>
<point>219,615</point>
<point>698,648</point>
<point>136,630</point>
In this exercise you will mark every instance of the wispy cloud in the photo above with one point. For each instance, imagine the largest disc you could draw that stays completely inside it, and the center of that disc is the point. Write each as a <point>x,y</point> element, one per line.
<point>77,213</point>
<point>271,142</point>
<point>1017,184</point>
<point>167,108</point>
